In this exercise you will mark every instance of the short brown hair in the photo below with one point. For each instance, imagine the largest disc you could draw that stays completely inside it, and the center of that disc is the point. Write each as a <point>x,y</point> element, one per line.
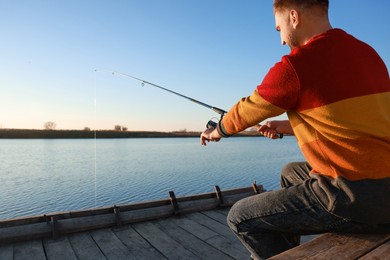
<point>281,4</point>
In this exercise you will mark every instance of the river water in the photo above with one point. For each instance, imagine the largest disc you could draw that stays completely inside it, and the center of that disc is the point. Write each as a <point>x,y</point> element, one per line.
<point>39,176</point>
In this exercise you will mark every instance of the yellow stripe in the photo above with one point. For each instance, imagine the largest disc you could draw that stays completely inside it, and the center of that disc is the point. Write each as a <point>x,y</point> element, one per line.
<point>365,116</point>
<point>248,112</point>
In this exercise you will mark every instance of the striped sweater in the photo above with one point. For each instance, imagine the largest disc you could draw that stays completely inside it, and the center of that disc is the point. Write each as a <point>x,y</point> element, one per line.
<point>336,92</point>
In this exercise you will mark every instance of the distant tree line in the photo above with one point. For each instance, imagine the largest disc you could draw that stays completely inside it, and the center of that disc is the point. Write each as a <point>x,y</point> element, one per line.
<point>120,128</point>
<point>50,125</point>
<point>52,134</point>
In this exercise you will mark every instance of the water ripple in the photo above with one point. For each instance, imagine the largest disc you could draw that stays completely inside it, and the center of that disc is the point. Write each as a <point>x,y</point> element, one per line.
<point>43,176</point>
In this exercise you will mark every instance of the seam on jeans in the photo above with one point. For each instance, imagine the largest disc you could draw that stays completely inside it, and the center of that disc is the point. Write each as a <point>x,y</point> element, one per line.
<point>337,223</point>
<point>243,221</point>
<point>337,195</point>
<point>280,212</point>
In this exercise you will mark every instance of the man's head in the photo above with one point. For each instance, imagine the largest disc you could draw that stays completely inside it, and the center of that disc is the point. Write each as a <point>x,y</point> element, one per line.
<point>281,4</point>
<point>299,20</point>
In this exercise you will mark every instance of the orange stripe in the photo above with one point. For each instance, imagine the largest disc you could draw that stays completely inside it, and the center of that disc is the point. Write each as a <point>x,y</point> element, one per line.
<point>367,115</point>
<point>363,158</point>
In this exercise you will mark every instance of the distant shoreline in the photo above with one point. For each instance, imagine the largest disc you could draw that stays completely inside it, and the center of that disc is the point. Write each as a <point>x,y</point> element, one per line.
<point>84,134</point>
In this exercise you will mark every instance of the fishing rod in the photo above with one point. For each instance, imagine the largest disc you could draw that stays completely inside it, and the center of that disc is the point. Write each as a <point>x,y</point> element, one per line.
<point>210,123</point>
<point>215,109</point>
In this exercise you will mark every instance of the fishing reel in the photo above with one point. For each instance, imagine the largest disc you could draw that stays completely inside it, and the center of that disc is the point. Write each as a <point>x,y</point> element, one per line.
<point>212,123</point>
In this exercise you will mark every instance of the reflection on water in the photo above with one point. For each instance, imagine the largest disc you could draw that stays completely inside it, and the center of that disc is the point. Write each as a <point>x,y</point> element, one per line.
<point>43,176</point>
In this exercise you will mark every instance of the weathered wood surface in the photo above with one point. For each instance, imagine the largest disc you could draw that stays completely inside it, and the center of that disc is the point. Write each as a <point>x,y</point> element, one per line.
<point>381,252</point>
<point>200,235</point>
<point>192,227</point>
<point>342,246</point>
<point>55,224</point>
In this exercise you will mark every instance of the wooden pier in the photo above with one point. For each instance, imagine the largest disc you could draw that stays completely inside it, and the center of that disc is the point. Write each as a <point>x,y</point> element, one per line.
<point>192,227</point>
<point>199,235</point>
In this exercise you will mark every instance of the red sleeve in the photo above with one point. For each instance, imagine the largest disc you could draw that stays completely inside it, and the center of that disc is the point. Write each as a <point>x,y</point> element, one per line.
<point>280,86</point>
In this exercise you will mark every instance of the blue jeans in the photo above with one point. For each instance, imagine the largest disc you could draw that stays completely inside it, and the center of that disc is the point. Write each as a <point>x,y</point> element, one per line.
<point>272,222</point>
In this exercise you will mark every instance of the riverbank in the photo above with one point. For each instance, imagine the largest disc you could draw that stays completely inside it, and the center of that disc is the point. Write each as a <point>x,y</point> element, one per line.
<point>74,134</point>
<point>59,134</point>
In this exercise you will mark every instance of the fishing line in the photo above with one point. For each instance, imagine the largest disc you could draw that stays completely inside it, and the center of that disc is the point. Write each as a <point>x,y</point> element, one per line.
<point>95,140</point>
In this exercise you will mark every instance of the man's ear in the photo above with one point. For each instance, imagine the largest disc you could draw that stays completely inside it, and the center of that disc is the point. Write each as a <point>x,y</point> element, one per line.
<point>294,18</point>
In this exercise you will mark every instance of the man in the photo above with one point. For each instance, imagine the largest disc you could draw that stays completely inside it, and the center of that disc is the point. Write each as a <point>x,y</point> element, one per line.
<point>336,92</point>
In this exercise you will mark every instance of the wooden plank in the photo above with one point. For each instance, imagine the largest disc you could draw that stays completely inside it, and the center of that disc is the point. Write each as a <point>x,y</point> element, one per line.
<point>224,211</point>
<point>25,232</point>
<point>136,244</point>
<point>195,228</point>
<point>110,244</point>
<point>382,252</point>
<point>29,250</point>
<point>6,252</point>
<point>230,200</point>
<point>58,249</point>
<point>225,193</point>
<point>162,242</point>
<point>21,221</point>
<point>217,216</point>
<point>350,246</point>
<point>234,249</point>
<point>198,205</point>
<point>225,241</point>
<point>197,246</point>
<point>145,205</point>
<point>85,247</point>
<point>239,191</point>
<point>141,215</point>
<point>213,225</point>
<point>328,246</point>
<point>67,226</point>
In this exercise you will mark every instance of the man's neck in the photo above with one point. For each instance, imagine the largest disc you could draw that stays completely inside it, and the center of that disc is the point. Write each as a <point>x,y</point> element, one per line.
<point>318,29</point>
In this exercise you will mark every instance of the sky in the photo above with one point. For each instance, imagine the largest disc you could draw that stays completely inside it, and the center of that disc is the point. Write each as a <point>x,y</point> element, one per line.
<point>57,58</point>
